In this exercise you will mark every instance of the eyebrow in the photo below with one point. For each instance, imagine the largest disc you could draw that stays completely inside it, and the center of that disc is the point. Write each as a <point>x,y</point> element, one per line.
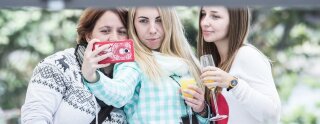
<point>105,27</point>
<point>148,18</point>
<point>108,27</point>
<point>210,11</point>
<point>143,17</point>
<point>213,11</point>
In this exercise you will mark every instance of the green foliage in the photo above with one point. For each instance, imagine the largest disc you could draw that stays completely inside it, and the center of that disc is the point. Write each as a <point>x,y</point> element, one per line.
<point>311,82</point>
<point>288,36</point>
<point>286,84</point>
<point>300,115</point>
<point>189,16</point>
<point>28,35</point>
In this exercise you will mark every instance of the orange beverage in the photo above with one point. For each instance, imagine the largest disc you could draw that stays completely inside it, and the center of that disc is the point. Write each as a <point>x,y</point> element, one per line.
<point>208,82</point>
<point>185,82</point>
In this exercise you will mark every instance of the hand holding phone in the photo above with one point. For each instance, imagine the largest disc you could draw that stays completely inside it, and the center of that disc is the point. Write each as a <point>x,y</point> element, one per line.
<point>122,51</point>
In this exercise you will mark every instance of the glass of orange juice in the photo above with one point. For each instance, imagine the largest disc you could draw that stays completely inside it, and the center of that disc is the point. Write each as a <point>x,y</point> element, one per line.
<point>185,82</point>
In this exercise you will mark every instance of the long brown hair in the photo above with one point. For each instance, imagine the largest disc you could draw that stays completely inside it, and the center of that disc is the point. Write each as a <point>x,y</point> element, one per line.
<point>237,32</point>
<point>89,18</point>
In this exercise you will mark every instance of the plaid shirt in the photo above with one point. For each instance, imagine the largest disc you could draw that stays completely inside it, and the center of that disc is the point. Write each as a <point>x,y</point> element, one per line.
<point>144,101</point>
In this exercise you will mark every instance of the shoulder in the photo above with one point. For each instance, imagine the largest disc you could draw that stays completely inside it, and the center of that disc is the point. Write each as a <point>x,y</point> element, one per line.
<point>54,71</point>
<point>248,50</point>
<point>250,56</point>
<point>250,53</point>
<point>67,54</point>
<point>58,62</point>
<point>126,65</point>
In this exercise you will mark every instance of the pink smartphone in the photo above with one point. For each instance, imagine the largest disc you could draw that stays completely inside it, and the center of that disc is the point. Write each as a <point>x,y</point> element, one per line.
<point>123,51</point>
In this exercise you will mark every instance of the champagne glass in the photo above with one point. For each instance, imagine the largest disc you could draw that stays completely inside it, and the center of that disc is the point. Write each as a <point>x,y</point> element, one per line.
<point>207,60</point>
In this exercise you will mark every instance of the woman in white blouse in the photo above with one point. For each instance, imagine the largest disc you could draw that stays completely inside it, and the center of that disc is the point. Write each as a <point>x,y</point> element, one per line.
<point>242,71</point>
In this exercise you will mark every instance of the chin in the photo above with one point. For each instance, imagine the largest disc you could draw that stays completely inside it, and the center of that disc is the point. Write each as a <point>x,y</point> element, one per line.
<point>156,48</point>
<point>153,47</point>
<point>209,40</point>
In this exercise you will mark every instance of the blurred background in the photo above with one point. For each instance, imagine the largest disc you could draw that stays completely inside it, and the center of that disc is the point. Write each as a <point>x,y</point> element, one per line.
<point>290,37</point>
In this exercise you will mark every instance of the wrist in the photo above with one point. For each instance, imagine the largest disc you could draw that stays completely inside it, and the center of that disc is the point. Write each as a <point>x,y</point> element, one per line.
<point>233,83</point>
<point>93,79</point>
<point>203,112</point>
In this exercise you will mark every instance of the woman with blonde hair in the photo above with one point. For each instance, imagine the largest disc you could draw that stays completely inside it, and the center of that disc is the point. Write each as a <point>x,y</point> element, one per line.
<point>242,71</point>
<point>149,87</point>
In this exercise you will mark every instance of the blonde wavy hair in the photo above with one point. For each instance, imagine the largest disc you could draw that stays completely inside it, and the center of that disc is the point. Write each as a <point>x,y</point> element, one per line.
<point>173,44</point>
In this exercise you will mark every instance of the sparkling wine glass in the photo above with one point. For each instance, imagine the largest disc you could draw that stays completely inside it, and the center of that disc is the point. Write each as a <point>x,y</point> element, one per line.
<point>207,60</point>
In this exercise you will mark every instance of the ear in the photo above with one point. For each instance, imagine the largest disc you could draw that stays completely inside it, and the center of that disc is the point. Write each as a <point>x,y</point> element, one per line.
<point>88,37</point>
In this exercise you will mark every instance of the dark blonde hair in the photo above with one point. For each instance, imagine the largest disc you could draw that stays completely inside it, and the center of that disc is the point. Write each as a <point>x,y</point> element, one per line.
<point>237,32</point>
<point>89,18</point>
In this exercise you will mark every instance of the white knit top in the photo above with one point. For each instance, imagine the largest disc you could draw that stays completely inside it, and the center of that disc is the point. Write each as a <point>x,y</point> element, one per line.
<point>255,99</point>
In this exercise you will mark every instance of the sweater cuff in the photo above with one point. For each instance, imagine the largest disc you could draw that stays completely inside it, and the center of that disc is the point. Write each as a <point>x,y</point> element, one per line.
<point>204,120</point>
<point>86,81</point>
<point>241,88</point>
<point>93,84</point>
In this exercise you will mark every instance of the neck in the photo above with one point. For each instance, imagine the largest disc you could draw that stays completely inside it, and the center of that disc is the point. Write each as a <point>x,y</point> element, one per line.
<point>108,70</point>
<point>223,46</point>
<point>157,50</point>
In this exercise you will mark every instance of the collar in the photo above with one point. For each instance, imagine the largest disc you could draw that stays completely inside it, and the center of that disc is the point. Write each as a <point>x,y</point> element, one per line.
<point>79,53</point>
<point>171,65</point>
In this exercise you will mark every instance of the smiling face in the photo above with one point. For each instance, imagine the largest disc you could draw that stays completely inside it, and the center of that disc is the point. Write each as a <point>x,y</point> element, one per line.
<point>109,28</point>
<point>149,27</point>
<point>214,22</point>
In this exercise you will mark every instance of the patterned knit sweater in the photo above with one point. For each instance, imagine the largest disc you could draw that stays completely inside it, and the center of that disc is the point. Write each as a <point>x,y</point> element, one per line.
<point>56,94</point>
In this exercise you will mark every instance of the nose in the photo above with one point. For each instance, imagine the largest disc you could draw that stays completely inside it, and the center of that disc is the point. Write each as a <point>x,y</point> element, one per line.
<point>204,22</point>
<point>113,36</point>
<point>152,28</point>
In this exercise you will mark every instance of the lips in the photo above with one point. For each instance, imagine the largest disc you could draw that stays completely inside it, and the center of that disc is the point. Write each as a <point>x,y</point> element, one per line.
<point>207,32</point>
<point>152,39</point>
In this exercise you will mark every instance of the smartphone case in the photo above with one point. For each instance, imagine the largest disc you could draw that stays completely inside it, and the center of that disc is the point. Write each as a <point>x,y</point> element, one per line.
<point>123,51</point>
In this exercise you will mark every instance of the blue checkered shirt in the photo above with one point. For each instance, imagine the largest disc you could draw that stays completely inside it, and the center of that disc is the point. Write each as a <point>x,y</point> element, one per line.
<point>144,102</point>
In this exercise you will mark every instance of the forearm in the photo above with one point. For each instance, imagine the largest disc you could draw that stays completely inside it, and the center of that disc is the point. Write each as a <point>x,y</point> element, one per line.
<point>119,90</point>
<point>110,91</point>
<point>260,101</point>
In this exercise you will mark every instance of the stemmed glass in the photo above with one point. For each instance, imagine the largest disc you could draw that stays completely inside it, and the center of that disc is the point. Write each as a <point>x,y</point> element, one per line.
<point>207,60</point>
